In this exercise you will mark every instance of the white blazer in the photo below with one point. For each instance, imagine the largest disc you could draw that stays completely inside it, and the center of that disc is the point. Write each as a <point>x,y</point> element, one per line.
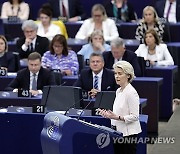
<point>110,30</point>
<point>126,104</point>
<point>162,53</point>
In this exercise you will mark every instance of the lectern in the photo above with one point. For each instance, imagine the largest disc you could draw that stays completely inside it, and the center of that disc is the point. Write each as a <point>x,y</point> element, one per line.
<point>65,135</point>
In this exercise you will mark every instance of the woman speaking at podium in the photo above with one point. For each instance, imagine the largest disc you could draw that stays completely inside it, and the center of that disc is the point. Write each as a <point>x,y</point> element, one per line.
<point>125,114</point>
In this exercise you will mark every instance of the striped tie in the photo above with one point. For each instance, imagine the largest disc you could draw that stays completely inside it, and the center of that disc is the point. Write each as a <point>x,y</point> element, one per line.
<point>34,82</point>
<point>95,82</point>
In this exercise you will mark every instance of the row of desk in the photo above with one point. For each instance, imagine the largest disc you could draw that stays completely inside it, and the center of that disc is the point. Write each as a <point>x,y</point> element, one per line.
<point>21,133</point>
<point>126,30</point>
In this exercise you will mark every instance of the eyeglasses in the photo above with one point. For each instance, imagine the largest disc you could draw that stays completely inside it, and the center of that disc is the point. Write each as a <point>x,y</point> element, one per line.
<point>57,46</point>
<point>98,15</point>
<point>30,31</point>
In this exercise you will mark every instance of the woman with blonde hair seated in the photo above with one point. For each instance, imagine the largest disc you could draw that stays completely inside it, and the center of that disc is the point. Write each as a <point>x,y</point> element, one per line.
<point>96,44</point>
<point>150,21</point>
<point>154,51</point>
<point>98,21</point>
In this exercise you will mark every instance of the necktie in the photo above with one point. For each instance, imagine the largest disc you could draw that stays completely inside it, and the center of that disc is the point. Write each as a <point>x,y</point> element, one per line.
<point>34,82</point>
<point>31,47</point>
<point>63,10</point>
<point>95,82</point>
<point>167,16</point>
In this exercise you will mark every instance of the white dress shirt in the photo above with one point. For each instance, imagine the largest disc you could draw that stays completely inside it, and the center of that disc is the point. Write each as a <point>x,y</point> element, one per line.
<point>126,105</point>
<point>66,5</point>
<point>99,79</point>
<point>172,13</point>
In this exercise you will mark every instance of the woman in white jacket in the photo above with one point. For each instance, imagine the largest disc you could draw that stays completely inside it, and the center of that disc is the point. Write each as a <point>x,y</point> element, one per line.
<point>154,51</point>
<point>99,21</point>
<point>125,114</point>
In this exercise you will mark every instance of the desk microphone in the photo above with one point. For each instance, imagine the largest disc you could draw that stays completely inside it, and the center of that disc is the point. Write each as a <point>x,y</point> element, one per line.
<point>62,84</point>
<point>84,109</point>
<point>77,102</point>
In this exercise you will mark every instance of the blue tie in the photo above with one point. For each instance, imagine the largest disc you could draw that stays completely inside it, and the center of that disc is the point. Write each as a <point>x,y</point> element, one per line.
<point>95,82</point>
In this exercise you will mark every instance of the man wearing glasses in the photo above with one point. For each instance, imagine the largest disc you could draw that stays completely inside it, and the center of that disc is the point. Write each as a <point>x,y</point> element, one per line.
<point>31,42</point>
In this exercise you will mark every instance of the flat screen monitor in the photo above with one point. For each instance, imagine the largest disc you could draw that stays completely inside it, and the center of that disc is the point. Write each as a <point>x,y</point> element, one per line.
<point>61,98</point>
<point>105,100</point>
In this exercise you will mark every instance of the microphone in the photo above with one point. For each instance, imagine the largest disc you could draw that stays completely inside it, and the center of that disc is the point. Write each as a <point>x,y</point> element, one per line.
<point>62,84</point>
<point>84,109</point>
<point>73,105</point>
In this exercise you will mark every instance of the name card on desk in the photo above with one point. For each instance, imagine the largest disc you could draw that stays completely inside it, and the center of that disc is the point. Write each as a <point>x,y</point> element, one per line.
<point>3,71</point>
<point>23,93</point>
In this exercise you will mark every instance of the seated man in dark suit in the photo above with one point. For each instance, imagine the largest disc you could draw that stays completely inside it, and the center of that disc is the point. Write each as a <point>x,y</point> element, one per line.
<point>96,78</point>
<point>119,52</point>
<point>169,9</point>
<point>72,9</point>
<point>33,78</point>
<point>31,42</point>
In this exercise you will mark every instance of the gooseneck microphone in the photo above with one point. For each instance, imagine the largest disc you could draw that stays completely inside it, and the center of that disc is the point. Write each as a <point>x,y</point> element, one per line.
<point>77,102</point>
<point>84,108</point>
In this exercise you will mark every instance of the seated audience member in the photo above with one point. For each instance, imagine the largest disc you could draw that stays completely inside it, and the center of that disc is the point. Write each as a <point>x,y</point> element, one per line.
<point>175,104</point>
<point>162,7</point>
<point>71,9</point>
<point>59,57</point>
<point>98,21</point>
<point>96,78</point>
<point>96,44</point>
<point>45,27</point>
<point>15,8</point>
<point>31,42</point>
<point>150,21</point>
<point>120,10</point>
<point>119,52</point>
<point>154,51</point>
<point>7,59</point>
<point>33,78</point>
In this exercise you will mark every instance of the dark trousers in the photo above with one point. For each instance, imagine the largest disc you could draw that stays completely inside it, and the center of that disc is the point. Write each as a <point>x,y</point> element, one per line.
<point>124,147</point>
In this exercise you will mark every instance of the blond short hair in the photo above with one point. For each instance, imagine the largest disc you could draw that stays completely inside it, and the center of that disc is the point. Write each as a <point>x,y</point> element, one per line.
<point>126,67</point>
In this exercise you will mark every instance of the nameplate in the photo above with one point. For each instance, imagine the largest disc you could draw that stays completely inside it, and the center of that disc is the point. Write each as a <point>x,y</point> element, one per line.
<point>38,108</point>
<point>87,62</point>
<point>3,72</point>
<point>147,63</point>
<point>23,93</point>
<point>13,19</point>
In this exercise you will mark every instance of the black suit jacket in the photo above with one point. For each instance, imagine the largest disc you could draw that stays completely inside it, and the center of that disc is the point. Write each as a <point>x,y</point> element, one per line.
<point>75,8</point>
<point>109,11</point>
<point>160,5</point>
<point>41,46</point>
<point>8,61</point>
<point>85,80</point>
<point>22,80</point>
<point>128,56</point>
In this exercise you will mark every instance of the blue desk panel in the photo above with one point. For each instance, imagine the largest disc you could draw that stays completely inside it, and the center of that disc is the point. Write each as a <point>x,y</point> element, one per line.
<point>150,88</point>
<point>167,73</point>
<point>20,133</point>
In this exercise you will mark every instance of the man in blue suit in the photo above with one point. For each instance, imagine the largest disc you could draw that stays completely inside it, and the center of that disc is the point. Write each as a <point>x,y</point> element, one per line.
<point>118,52</point>
<point>74,9</point>
<point>162,7</point>
<point>105,78</point>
